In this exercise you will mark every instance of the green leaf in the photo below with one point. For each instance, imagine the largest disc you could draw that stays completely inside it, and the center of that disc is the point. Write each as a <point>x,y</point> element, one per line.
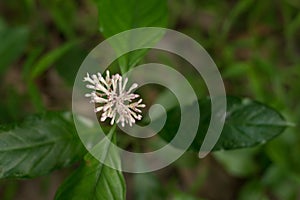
<point>11,107</point>
<point>41,144</point>
<point>13,42</point>
<point>32,56</point>
<point>68,65</point>
<point>49,59</point>
<point>116,16</point>
<point>248,123</point>
<point>33,91</point>
<point>35,96</point>
<point>94,180</point>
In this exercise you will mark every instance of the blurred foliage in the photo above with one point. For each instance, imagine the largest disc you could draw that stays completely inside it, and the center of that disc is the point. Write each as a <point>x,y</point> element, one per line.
<point>256,45</point>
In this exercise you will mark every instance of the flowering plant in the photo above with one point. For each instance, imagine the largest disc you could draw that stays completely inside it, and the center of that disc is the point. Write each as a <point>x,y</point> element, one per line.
<point>42,66</point>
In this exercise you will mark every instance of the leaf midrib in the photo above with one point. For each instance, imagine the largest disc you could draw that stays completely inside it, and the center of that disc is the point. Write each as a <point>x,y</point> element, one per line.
<point>38,144</point>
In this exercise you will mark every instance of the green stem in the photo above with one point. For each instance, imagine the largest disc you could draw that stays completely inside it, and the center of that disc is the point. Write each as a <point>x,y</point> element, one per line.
<point>114,134</point>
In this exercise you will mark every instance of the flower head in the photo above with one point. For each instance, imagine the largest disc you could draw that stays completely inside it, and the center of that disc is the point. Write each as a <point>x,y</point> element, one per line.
<point>115,101</point>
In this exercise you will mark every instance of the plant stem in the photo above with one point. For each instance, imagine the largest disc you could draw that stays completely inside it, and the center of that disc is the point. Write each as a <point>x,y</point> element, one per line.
<point>114,134</point>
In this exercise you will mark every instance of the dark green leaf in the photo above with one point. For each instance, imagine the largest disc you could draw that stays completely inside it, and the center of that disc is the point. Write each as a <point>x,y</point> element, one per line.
<point>68,65</point>
<point>39,145</point>
<point>35,97</point>
<point>49,59</point>
<point>116,16</point>
<point>120,15</point>
<point>248,123</point>
<point>11,107</point>
<point>30,60</point>
<point>33,91</point>
<point>94,180</point>
<point>13,42</point>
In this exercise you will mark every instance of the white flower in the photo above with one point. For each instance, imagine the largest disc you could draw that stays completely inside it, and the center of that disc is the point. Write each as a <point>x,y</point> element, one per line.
<point>115,102</point>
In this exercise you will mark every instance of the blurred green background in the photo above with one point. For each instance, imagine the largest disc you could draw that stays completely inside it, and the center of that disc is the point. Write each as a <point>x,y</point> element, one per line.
<point>256,45</point>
